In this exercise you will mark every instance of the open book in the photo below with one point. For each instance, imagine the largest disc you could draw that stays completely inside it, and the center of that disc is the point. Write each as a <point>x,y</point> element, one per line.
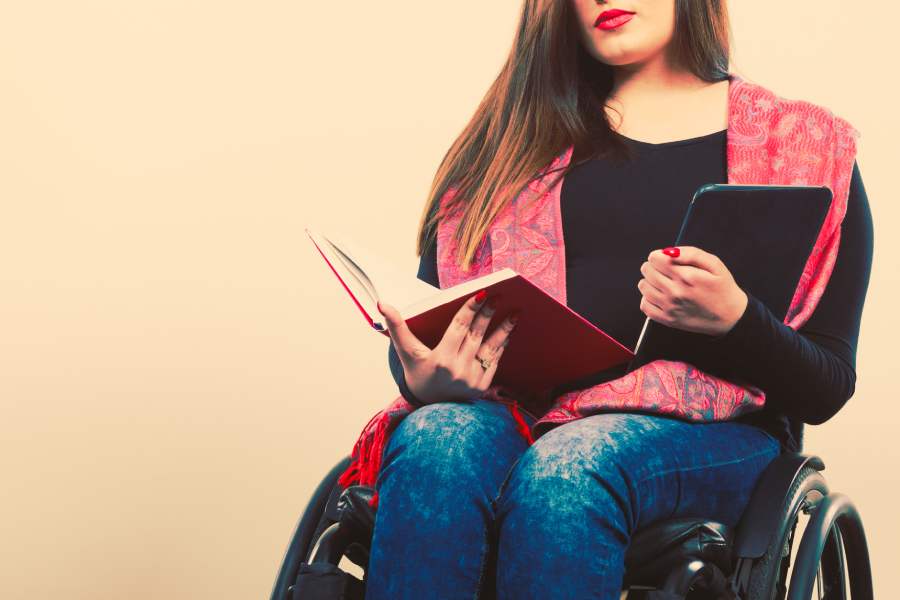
<point>550,345</point>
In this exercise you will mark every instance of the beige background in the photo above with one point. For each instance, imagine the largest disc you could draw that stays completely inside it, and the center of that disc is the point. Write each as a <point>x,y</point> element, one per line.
<point>178,368</point>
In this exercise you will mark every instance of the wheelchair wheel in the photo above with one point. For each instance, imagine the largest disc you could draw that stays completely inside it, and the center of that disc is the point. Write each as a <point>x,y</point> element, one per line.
<point>312,521</point>
<point>768,576</point>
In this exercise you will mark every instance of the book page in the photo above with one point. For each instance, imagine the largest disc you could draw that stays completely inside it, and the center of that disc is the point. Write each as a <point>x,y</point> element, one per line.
<point>387,282</point>
<point>355,280</point>
<point>354,269</point>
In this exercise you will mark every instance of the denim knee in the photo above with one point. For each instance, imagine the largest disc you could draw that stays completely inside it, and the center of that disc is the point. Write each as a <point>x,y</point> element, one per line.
<point>573,474</point>
<point>453,445</point>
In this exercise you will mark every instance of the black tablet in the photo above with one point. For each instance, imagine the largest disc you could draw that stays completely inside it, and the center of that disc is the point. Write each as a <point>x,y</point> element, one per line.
<point>763,233</point>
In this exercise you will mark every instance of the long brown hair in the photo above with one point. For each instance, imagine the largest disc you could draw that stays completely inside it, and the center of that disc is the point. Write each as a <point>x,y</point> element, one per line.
<point>548,96</point>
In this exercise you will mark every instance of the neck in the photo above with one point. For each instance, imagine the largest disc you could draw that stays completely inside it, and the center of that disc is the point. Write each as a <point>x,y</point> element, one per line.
<point>655,77</point>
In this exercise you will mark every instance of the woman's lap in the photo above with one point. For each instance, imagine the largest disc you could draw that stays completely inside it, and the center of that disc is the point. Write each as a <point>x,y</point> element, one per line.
<point>462,495</point>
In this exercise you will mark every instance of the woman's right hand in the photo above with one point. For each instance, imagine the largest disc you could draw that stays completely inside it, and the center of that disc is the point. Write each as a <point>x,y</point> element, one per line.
<point>450,371</point>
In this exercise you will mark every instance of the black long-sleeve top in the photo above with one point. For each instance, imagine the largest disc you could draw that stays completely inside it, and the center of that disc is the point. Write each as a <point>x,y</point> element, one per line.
<point>615,214</point>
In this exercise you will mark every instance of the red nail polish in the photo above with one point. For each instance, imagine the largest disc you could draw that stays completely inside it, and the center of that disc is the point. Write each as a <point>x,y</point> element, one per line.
<point>480,296</point>
<point>672,251</point>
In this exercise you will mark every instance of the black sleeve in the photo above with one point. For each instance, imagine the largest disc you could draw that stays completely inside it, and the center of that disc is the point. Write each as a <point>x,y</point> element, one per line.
<point>428,274</point>
<point>809,374</point>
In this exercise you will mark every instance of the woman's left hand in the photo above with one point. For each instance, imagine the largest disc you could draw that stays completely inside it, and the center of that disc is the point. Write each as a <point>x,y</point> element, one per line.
<point>691,290</point>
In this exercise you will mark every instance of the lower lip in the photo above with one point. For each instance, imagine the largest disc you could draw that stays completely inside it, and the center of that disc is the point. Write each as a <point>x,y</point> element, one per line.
<point>614,22</point>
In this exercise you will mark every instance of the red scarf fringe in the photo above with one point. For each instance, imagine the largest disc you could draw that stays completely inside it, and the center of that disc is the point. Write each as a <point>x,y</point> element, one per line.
<point>521,425</point>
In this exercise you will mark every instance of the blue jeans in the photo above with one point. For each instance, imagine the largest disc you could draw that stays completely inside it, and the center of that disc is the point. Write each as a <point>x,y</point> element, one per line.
<point>467,509</point>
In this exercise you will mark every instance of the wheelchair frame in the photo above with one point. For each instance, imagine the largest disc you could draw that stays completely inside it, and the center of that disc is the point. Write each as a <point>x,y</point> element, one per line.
<point>703,560</point>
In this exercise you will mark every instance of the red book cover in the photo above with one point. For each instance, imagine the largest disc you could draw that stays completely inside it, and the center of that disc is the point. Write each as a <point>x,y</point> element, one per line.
<point>550,345</point>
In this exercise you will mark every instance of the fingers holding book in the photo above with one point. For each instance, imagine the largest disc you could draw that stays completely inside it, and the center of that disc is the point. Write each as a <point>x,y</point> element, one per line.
<point>408,346</point>
<point>488,357</point>
<point>466,327</point>
<point>470,356</point>
<point>463,363</point>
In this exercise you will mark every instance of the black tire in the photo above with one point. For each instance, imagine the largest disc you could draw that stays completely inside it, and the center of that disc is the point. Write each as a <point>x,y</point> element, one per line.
<point>768,576</point>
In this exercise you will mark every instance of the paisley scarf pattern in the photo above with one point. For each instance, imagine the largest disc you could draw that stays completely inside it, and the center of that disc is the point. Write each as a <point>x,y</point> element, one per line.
<point>770,140</point>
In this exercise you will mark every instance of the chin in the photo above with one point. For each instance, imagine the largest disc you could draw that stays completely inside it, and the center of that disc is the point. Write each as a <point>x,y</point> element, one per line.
<point>616,53</point>
<point>616,59</point>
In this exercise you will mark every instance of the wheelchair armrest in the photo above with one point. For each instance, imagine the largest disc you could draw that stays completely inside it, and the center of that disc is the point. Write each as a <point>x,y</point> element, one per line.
<point>355,523</point>
<point>765,511</point>
<point>356,512</point>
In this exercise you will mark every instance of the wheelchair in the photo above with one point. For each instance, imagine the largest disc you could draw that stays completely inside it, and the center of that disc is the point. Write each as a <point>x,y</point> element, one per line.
<point>680,558</point>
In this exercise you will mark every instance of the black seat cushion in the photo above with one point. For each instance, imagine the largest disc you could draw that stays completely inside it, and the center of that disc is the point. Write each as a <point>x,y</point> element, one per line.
<point>656,549</point>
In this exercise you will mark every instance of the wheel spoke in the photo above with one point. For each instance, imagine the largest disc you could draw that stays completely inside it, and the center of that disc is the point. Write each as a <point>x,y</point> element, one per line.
<point>819,590</point>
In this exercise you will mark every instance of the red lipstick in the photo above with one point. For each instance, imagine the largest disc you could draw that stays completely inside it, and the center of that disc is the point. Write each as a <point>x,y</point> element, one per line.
<point>610,19</point>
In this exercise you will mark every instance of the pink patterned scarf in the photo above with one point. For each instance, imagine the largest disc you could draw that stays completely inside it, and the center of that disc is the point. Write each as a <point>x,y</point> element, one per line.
<point>770,140</point>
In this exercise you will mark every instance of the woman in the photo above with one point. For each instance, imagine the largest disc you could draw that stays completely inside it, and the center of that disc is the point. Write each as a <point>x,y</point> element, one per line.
<point>474,498</point>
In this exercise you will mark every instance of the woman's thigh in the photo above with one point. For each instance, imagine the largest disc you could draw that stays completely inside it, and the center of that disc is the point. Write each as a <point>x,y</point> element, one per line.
<point>584,487</point>
<point>667,467</point>
<point>441,468</point>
